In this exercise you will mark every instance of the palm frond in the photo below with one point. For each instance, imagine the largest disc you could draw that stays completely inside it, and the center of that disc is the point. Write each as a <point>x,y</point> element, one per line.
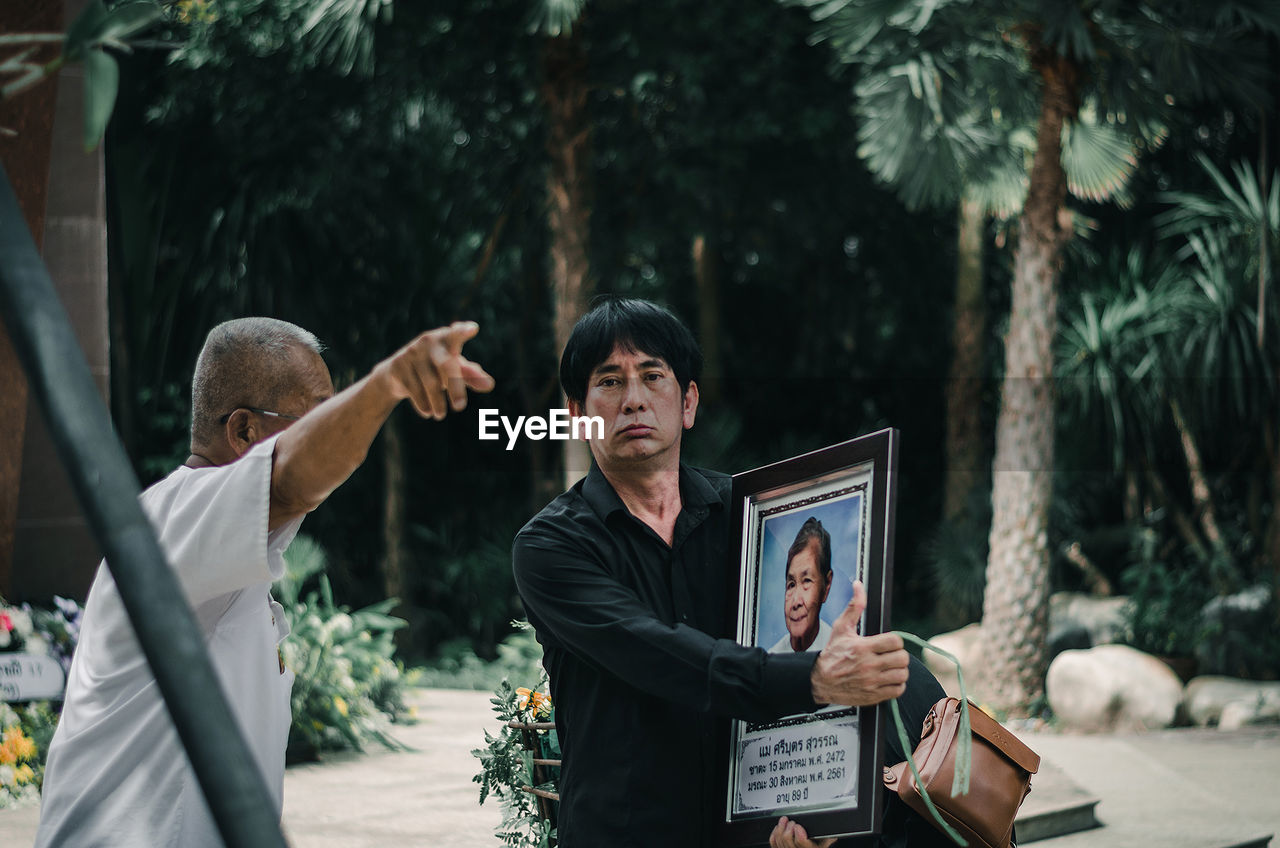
<point>1110,348</point>
<point>342,32</point>
<point>1099,160</point>
<point>1237,207</point>
<point>1001,187</point>
<point>555,18</point>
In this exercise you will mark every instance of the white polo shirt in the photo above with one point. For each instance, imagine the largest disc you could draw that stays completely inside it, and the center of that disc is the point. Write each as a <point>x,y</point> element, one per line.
<point>783,645</point>
<point>117,775</point>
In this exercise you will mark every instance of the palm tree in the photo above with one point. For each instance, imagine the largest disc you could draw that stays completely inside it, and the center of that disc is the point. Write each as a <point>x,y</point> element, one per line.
<point>563,90</point>
<point>947,124</point>
<point>1135,62</point>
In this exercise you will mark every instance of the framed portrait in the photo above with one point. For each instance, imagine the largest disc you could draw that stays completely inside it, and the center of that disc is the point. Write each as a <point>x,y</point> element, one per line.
<point>807,528</point>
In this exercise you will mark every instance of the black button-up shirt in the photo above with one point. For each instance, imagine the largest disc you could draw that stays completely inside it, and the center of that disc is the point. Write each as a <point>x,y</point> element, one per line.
<point>643,665</point>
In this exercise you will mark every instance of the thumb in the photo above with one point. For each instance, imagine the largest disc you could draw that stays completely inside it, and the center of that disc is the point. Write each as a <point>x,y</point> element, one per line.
<point>852,614</point>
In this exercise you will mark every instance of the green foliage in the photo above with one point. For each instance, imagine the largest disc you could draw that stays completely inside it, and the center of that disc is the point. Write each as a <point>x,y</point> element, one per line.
<point>338,34</point>
<point>507,767</point>
<point>956,554</point>
<point>465,587</point>
<point>949,101</point>
<point>369,186</point>
<point>1166,594</point>
<point>458,667</point>
<point>1112,353</point>
<point>347,689</point>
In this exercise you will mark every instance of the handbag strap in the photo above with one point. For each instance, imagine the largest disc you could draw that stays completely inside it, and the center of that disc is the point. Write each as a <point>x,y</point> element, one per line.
<point>964,743</point>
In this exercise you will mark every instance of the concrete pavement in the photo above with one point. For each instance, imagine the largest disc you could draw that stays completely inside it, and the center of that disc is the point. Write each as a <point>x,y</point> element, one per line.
<point>1183,788</point>
<point>1180,788</point>
<point>422,797</point>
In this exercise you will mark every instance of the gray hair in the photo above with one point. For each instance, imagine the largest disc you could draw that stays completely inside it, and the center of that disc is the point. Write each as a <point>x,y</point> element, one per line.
<point>244,362</point>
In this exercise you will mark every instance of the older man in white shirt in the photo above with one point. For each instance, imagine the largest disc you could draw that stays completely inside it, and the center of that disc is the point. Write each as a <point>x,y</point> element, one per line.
<point>117,775</point>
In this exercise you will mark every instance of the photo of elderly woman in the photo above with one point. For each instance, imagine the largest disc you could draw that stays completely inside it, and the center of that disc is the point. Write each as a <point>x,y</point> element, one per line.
<point>808,573</point>
<point>809,560</point>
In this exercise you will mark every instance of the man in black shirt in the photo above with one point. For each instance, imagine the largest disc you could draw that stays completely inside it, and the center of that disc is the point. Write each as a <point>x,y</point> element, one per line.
<point>624,579</point>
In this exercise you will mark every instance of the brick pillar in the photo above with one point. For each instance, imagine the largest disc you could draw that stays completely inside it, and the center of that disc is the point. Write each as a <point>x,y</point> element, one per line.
<point>26,162</point>
<point>54,550</point>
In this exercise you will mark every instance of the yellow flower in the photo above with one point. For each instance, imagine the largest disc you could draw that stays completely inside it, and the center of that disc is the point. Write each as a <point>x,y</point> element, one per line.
<point>24,774</point>
<point>340,705</point>
<point>7,755</point>
<point>522,702</point>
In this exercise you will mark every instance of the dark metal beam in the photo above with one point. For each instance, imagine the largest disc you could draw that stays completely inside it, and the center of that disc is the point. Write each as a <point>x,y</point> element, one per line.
<point>59,380</point>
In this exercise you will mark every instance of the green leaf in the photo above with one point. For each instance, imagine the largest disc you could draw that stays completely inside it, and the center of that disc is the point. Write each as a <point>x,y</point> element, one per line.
<point>101,81</point>
<point>85,30</point>
<point>129,19</point>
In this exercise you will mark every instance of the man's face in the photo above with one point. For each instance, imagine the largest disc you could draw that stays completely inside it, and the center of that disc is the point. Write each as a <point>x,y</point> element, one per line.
<point>644,411</point>
<point>807,589</point>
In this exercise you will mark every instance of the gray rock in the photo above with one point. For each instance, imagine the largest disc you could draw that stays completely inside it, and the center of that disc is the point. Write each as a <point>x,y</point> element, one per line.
<point>1103,619</point>
<point>1238,714</point>
<point>1230,702</point>
<point>1234,624</point>
<point>965,645</point>
<point>1112,687</point>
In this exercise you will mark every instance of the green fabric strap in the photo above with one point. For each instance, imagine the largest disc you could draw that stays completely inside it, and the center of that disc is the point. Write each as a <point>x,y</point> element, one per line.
<point>964,749</point>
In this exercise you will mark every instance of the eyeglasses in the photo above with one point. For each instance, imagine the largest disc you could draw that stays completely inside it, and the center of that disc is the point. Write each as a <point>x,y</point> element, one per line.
<point>223,419</point>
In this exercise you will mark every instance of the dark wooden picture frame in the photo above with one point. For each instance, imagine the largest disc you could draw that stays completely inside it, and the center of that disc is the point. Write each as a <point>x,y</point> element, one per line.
<point>822,769</point>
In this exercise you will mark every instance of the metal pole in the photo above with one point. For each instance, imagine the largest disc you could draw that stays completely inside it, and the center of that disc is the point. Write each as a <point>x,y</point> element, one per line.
<point>166,628</point>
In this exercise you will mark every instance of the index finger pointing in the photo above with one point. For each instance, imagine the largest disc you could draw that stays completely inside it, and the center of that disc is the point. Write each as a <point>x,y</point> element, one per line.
<point>460,332</point>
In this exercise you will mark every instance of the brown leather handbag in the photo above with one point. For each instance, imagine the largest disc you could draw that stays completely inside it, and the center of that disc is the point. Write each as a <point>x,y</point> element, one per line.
<point>1000,775</point>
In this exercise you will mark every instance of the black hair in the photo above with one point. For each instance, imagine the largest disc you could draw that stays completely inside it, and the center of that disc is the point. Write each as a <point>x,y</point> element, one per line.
<point>636,325</point>
<point>812,531</point>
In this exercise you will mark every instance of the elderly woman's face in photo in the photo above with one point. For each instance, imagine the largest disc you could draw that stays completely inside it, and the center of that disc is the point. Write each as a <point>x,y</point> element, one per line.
<point>807,588</point>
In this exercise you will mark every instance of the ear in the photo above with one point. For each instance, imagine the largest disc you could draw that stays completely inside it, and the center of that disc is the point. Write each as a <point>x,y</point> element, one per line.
<point>826,589</point>
<point>690,404</point>
<point>575,408</point>
<point>242,432</point>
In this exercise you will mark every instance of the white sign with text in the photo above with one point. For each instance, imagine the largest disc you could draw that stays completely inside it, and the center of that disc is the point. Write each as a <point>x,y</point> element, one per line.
<point>800,766</point>
<point>30,677</point>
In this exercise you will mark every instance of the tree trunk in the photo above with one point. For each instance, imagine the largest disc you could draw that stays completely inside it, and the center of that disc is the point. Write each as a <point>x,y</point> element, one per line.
<point>964,384</point>
<point>393,524</point>
<point>393,509</point>
<point>964,438</point>
<point>1201,497</point>
<point>25,157</point>
<point>564,95</point>
<point>1015,605</point>
<point>706,272</point>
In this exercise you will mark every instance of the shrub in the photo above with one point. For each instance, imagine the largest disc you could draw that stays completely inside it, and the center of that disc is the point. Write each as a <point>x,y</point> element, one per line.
<point>24,743</point>
<point>347,689</point>
<point>519,658</point>
<point>507,765</point>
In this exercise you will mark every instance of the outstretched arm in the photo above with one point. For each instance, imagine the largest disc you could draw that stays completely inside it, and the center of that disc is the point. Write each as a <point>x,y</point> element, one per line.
<point>314,456</point>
